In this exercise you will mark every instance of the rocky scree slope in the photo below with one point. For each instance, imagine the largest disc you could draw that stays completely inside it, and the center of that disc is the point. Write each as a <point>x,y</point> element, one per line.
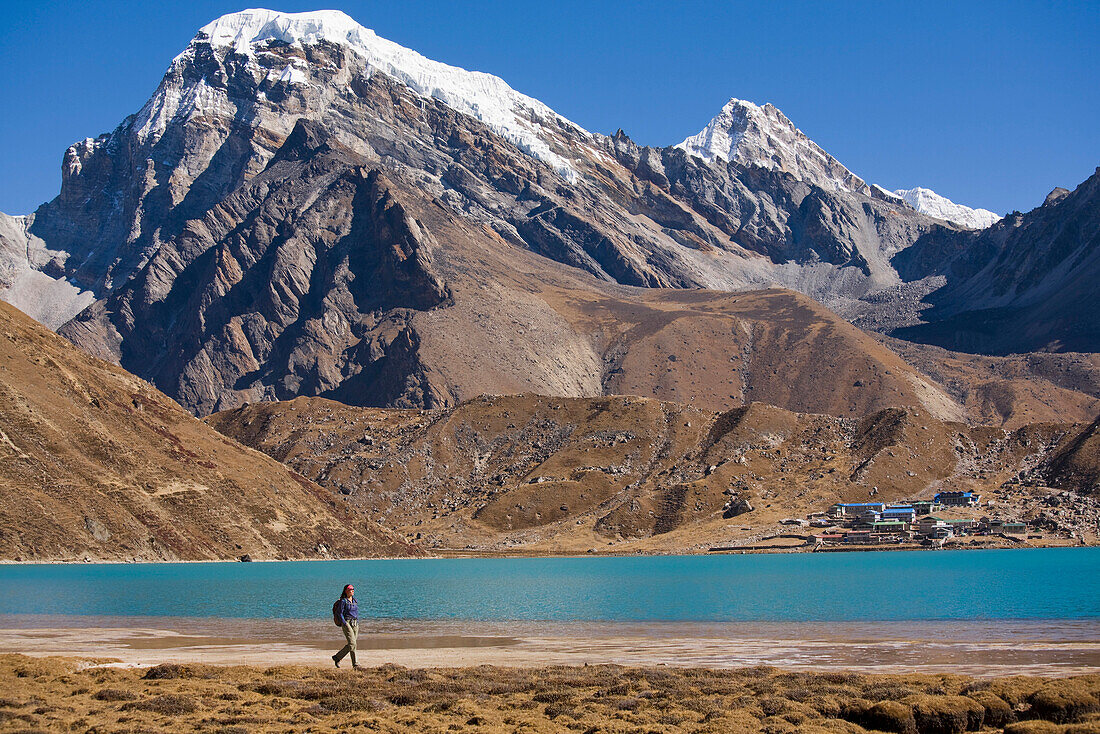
<point>570,474</point>
<point>95,463</point>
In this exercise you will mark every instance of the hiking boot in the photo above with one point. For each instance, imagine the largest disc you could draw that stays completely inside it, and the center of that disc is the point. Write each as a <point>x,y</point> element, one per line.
<point>336,660</point>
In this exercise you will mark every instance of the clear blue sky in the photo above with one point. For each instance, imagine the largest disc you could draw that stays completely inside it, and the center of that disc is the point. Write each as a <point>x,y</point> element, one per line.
<point>991,104</point>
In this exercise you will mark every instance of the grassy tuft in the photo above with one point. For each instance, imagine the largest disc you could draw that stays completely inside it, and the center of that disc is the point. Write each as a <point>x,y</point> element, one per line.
<point>1063,702</point>
<point>945,714</point>
<point>997,711</point>
<point>169,671</point>
<point>168,704</point>
<point>114,694</point>
<point>347,703</point>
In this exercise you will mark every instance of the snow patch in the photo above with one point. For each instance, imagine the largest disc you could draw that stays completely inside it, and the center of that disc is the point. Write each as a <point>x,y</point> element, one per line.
<point>293,75</point>
<point>887,195</point>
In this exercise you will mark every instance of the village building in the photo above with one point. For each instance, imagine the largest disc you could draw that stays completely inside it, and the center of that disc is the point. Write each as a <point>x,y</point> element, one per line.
<point>963,527</point>
<point>957,499</point>
<point>893,527</point>
<point>865,520</point>
<point>854,509</point>
<point>931,526</point>
<point>926,507</point>
<point>996,526</point>
<point>902,513</point>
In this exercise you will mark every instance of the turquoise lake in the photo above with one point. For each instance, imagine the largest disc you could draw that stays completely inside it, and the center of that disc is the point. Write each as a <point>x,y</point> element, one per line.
<point>925,585</point>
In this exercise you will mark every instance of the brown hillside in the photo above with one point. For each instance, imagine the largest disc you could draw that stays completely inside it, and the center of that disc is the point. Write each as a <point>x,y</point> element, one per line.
<point>572,474</point>
<point>96,463</point>
<point>1042,387</point>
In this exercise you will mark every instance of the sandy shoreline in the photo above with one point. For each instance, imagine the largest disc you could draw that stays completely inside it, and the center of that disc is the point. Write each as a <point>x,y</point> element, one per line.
<point>973,648</point>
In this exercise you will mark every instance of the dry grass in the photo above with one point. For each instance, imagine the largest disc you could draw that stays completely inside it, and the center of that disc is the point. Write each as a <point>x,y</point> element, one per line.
<point>54,694</point>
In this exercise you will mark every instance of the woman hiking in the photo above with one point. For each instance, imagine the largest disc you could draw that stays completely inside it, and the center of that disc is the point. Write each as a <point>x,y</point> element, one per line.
<point>346,614</point>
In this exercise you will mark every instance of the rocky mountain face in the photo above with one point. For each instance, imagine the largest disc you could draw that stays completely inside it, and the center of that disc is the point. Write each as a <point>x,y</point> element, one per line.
<point>760,136</point>
<point>571,475</point>
<point>305,208</point>
<point>96,463</point>
<point>1027,283</point>
<point>226,105</point>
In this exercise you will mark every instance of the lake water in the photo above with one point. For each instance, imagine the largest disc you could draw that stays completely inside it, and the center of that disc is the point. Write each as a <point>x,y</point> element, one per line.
<point>921,585</point>
<point>980,612</point>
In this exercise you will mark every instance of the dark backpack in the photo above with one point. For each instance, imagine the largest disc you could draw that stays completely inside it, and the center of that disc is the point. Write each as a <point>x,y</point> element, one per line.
<point>336,613</point>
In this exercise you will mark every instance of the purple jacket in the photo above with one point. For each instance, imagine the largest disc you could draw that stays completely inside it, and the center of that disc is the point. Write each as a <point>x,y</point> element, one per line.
<point>349,609</point>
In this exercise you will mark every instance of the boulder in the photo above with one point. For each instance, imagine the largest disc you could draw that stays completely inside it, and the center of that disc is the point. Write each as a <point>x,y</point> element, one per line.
<point>736,506</point>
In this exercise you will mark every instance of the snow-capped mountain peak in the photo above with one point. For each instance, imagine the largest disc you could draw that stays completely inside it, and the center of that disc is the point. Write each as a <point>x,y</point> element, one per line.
<point>761,135</point>
<point>929,202</point>
<point>522,120</point>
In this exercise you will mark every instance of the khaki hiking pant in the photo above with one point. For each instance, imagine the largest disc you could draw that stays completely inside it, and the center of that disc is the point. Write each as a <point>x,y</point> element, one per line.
<point>351,634</point>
